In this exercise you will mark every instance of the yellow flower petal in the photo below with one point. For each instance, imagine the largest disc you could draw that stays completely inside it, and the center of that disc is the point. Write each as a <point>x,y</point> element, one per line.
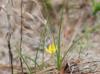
<point>51,48</point>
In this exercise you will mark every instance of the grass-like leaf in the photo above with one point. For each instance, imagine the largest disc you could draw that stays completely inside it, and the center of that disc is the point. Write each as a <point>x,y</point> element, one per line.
<point>95,7</point>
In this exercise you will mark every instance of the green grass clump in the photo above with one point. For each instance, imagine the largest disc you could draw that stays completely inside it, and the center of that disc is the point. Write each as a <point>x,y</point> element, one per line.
<point>95,7</point>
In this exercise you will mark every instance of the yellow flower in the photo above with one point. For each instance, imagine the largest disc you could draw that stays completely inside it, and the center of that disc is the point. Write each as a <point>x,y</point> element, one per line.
<point>51,48</point>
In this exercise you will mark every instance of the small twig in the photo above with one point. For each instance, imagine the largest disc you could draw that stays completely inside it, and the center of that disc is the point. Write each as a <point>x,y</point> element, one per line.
<point>8,39</point>
<point>9,45</point>
<point>10,52</point>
